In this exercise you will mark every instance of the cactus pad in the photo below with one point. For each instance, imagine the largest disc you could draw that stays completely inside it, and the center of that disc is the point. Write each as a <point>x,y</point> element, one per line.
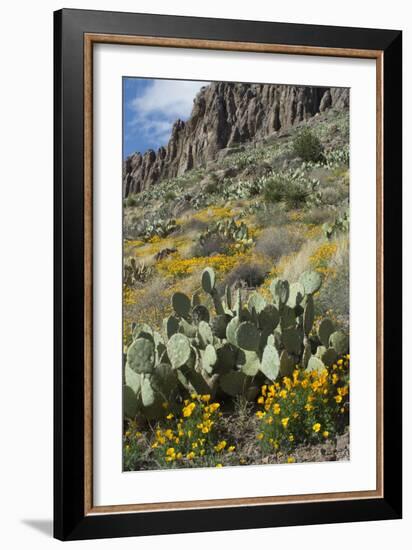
<point>315,363</point>
<point>132,379</point>
<point>311,281</point>
<point>178,350</point>
<point>200,313</point>
<point>292,340</point>
<point>340,342</point>
<point>287,363</point>
<point>141,355</point>
<point>308,314</point>
<point>129,402</point>
<point>296,294</point>
<point>287,318</point>
<point>208,280</point>
<point>249,363</point>
<point>325,329</point>
<point>181,304</point>
<point>247,336</point>
<point>205,334</point>
<point>148,394</point>
<point>270,363</point>
<point>269,318</point>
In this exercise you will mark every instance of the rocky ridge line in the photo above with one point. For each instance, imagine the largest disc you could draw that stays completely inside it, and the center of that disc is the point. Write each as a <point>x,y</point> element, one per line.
<point>225,115</point>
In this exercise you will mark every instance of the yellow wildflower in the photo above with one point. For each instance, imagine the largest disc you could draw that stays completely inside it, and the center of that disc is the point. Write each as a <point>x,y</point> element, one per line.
<point>316,427</point>
<point>188,410</point>
<point>220,446</point>
<point>285,421</point>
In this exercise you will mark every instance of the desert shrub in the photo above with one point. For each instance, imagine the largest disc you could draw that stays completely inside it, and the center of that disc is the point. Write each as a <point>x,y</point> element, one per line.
<point>267,214</point>
<point>307,407</point>
<point>334,195</point>
<point>307,146</point>
<point>130,201</point>
<point>274,189</point>
<point>211,188</point>
<point>276,243</point>
<point>193,224</point>
<point>292,188</point>
<point>334,293</point>
<point>249,273</point>
<point>169,196</point>
<point>211,244</point>
<point>300,262</point>
<point>295,195</point>
<point>317,215</point>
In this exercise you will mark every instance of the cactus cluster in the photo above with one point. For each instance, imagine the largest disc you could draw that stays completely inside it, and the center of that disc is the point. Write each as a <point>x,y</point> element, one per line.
<point>148,228</point>
<point>231,351</point>
<point>159,228</point>
<point>230,230</point>
<point>339,225</point>
<point>135,273</point>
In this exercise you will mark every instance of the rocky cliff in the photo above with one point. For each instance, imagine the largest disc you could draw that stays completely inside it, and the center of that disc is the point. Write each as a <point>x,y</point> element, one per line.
<point>225,115</point>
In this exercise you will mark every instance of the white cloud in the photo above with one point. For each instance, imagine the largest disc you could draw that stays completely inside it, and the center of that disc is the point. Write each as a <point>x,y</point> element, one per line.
<point>172,98</point>
<point>161,104</point>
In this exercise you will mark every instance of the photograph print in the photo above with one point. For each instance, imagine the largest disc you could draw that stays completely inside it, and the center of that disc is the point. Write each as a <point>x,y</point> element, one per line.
<point>235,274</point>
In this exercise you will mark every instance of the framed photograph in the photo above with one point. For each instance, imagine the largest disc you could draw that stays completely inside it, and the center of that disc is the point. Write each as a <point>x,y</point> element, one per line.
<point>227,274</point>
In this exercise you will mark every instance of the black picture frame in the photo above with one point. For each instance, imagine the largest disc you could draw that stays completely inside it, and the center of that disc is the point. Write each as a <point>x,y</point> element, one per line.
<point>70,520</point>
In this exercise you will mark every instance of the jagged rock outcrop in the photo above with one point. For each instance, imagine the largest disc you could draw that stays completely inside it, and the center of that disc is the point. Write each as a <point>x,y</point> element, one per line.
<point>225,115</point>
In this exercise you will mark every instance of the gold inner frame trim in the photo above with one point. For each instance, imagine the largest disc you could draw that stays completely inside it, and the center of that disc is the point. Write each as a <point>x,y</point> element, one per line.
<point>89,40</point>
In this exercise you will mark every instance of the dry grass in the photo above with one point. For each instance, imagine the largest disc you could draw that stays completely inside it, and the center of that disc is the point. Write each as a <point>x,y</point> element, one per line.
<point>300,261</point>
<point>278,242</point>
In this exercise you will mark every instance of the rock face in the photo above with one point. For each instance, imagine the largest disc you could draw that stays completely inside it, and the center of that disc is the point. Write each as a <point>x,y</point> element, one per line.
<point>226,115</point>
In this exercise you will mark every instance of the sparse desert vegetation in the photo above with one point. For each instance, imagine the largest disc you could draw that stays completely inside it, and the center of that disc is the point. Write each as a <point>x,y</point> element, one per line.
<point>236,306</point>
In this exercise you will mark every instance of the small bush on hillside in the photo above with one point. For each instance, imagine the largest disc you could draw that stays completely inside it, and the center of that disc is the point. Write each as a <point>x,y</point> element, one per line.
<point>317,216</point>
<point>307,146</point>
<point>274,189</point>
<point>275,244</point>
<point>193,224</point>
<point>334,194</point>
<point>169,196</point>
<point>130,201</point>
<point>270,214</point>
<point>212,244</point>
<point>292,191</point>
<point>295,195</point>
<point>334,293</point>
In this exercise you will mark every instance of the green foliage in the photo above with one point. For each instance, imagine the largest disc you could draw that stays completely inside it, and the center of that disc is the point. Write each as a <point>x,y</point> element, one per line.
<point>233,351</point>
<point>149,228</point>
<point>338,226</point>
<point>136,273</point>
<point>229,230</point>
<point>293,188</point>
<point>308,146</point>
<point>130,201</point>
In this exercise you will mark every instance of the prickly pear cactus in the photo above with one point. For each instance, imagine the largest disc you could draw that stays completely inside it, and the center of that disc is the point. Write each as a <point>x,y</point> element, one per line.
<point>232,350</point>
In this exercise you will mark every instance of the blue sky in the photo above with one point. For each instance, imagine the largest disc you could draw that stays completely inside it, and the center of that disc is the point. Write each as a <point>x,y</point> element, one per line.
<point>150,108</point>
